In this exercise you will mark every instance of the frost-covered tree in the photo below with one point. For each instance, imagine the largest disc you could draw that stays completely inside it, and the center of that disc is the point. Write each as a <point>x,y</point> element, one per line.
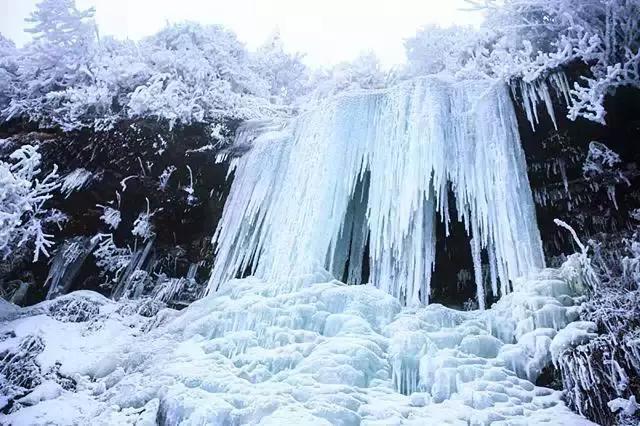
<point>24,216</point>
<point>8,68</point>
<point>286,74</point>
<point>70,78</point>
<point>363,73</point>
<point>435,49</point>
<point>530,39</point>
<point>198,72</point>
<point>52,67</point>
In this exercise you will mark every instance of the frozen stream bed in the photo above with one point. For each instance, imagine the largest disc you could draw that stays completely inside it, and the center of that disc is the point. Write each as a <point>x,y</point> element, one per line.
<point>325,354</point>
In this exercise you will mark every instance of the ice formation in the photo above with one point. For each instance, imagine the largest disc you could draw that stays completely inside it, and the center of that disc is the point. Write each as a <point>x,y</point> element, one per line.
<point>326,353</point>
<point>75,181</point>
<point>533,93</point>
<point>375,169</point>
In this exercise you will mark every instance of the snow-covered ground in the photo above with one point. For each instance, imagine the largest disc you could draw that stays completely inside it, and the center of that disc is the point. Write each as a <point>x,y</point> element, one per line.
<point>325,354</point>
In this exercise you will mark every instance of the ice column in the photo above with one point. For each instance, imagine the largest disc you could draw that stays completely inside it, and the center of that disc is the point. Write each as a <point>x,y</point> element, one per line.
<point>376,167</point>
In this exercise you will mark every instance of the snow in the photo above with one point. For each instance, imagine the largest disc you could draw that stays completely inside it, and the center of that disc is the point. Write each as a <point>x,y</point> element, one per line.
<point>43,392</point>
<point>628,406</point>
<point>377,166</point>
<point>325,353</point>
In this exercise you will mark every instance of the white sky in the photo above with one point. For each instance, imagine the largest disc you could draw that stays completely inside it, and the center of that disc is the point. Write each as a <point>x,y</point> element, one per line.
<point>328,31</point>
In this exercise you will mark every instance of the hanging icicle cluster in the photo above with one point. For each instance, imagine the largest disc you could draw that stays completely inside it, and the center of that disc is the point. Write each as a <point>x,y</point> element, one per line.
<point>375,168</point>
<point>533,93</point>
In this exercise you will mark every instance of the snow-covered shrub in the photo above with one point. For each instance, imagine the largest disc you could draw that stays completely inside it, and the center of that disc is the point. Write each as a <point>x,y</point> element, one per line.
<point>434,49</point>
<point>608,367</point>
<point>111,260</point>
<point>600,160</point>
<point>142,226</point>
<point>532,39</point>
<point>600,371</point>
<point>8,67</point>
<point>186,73</point>
<point>110,216</point>
<point>74,309</point>
<point>602,168</point>
<point>24,216</point>
<point>363,73</point>
<point>19,370</point>
<point>165,176</point>
<point>199,73</point>
<point>146,307</point>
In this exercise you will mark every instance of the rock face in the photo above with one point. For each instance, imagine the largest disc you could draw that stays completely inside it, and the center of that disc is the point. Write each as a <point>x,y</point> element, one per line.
<point>327,353</point>
<point>592,201</point>
<point>142,184</point>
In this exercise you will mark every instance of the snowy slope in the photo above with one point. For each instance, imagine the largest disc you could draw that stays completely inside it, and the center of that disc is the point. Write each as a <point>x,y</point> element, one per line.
<point>327,353</point>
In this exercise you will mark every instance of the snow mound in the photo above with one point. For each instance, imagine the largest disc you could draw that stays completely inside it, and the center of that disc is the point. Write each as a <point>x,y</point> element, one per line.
<point>327,353</point>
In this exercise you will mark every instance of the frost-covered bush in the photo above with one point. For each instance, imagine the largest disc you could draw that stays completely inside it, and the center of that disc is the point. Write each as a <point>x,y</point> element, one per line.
<point>600,160</point>
<point>532,39</point>
<point>24,217</point>
<point>19,371</point>
<point>110,259</point>
<point>110,217</point>
<point>198,73</point>
<point>434,49</point>
<point>7,69</point>
<point>142,226</point>
<point>53,69</point>
<point>145,307</point>
<point>608,367</point>
<point>602,168</point>
<point>74,309</point>
<point>363,73</point>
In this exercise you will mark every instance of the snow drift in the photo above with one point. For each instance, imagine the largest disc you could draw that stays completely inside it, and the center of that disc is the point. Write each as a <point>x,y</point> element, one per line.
<point>375,168</point>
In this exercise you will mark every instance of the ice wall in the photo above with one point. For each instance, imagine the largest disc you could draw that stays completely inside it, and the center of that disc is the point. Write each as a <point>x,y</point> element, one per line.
<point>377,166</point>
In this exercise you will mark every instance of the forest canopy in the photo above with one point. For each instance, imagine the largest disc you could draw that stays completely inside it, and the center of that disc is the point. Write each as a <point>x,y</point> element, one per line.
<point>70,77</point>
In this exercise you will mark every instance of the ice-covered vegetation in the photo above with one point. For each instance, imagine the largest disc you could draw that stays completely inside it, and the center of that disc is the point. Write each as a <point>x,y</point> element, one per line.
<point>24,190</point>
<point>534,39</point>
<point>71,77</point>
<point>610,362</point>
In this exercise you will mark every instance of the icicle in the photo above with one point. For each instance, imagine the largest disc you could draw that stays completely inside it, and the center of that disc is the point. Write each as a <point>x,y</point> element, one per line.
<point>535,92</point>
<point>305,196</point>
<point>66,264</point>
<point>128,280</point>
<point>477,266</point>
<point>493,274</point>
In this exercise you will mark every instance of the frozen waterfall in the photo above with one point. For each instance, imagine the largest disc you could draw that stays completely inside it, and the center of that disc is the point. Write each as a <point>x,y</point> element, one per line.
<point>375,168</point>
